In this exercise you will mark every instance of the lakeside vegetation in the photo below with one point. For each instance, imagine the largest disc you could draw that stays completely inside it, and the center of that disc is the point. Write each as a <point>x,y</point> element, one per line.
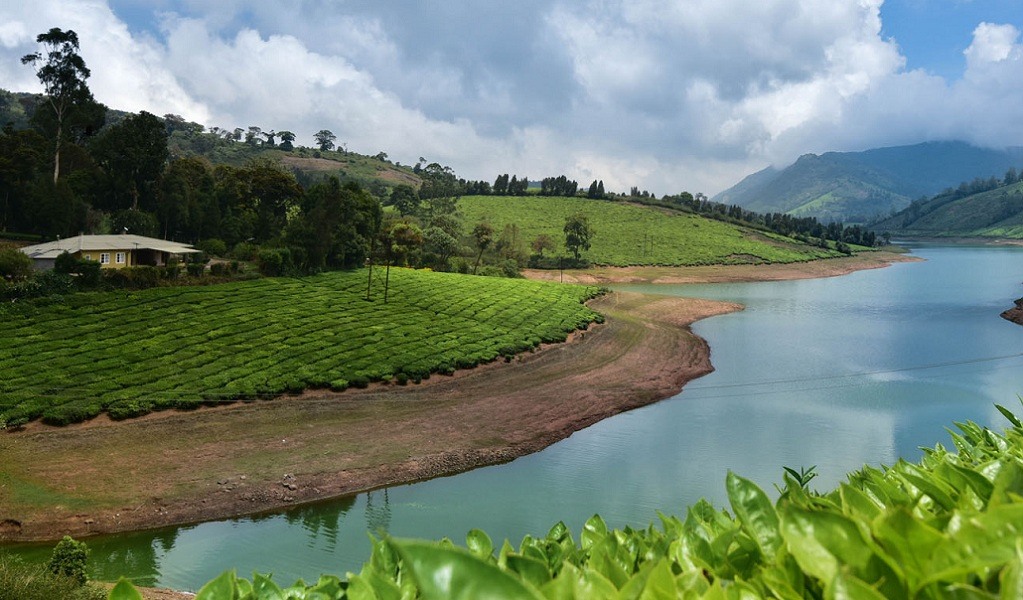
<point>128,354</point>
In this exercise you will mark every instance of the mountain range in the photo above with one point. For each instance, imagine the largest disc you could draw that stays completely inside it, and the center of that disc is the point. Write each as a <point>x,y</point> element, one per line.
<point>857,187</point>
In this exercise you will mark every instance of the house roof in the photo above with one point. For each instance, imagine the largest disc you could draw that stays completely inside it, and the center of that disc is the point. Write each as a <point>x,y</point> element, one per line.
<point>105,242</point>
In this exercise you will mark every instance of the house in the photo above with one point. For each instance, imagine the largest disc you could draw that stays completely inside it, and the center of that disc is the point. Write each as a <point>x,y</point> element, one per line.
<point>110,251</point>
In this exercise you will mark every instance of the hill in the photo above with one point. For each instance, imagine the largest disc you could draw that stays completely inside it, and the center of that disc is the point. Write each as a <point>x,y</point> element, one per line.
<point>857,186</point>
<point>629,234</point>
<point>222,146</point>
<point>994,212</point>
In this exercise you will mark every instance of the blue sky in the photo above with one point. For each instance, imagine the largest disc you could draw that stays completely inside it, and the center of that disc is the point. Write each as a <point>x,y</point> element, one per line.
<point>667,95</point>
<point>933,34</point>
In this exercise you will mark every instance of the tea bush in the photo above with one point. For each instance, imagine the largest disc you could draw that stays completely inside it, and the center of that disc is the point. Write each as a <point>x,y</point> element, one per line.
<point>128,353</point>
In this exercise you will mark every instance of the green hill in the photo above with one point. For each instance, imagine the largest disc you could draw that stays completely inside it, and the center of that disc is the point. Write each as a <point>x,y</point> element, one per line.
<point>996,212</point>
<point>628,234</point>
<point>857,186</point>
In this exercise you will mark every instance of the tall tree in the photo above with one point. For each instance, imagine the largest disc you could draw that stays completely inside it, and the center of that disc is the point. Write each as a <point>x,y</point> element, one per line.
<point>63,73</point>
<point>325,139</point>
<point>132,154</point>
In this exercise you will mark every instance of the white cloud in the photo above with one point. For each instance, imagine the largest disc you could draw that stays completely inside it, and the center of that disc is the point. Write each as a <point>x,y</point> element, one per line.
<point>663,95</point>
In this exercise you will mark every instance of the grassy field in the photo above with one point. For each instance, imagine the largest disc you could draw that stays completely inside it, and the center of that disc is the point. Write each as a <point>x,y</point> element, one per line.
<point>128,354</point>
<point>628,235</point>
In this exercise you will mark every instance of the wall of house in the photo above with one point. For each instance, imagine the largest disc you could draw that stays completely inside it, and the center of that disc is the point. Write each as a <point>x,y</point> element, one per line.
<point>96,255</point>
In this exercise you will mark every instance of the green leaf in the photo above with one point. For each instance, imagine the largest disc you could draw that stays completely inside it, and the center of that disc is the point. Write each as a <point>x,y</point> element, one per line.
<point>653,582</point>
<point>986,540</point>
<point>456,574</point>
<point>756,513</point>
<point>909,541</point>
<point>529,569</point>
<point>479,543</point>
<point>221,588</point>
<point>557,532</point>
<point>821,541</point>
<point>124,590</point>
<point>1010,416</point>
<point>264,588</point>
<point>847,587</point>
<point>1011,578</point>
<point>858,503</point>
<point>594,530</point>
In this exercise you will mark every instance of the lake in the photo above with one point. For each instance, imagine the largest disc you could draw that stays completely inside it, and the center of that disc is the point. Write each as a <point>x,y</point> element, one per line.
<point>835,372</point>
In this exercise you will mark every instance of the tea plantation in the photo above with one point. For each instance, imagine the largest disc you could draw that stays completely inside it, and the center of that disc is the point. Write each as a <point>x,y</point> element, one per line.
<point>128,354</point>
<point>627,234</point>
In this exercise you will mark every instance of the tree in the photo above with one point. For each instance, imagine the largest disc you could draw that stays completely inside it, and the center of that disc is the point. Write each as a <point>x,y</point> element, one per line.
<point>63,74</point>
<point>287,137</point>
<point>325,140</point>
<point>541,243</point>
<point>132,154</point>
<point>483,236</point>
<point>577,234</point>
<point>405,199</point>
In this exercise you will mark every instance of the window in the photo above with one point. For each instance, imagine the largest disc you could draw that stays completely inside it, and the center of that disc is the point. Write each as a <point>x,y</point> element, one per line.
<point>119,258</point>
<point>104,258</point>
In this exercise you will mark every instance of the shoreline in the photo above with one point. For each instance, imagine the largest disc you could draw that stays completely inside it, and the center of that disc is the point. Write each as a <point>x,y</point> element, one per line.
<point>252,458</point>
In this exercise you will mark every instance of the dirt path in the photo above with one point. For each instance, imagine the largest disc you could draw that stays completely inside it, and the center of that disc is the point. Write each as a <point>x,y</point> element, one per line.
<point>180,467</point>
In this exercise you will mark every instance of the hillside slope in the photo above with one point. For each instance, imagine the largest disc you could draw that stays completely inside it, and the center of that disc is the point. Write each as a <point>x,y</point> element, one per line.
<point>627,234</point>
<point>856,186</point>
<point>993,213</point>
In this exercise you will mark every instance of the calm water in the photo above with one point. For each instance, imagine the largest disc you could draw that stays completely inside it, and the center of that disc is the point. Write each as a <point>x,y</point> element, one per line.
<point>831,372</point>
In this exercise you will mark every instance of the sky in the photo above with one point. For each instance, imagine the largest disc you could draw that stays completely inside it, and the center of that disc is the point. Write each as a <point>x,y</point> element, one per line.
<point>665,95</point>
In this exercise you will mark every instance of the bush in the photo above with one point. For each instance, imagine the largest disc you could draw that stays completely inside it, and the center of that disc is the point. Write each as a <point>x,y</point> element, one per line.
<point>274,262</point>
<point>69,559</point>
<point>219,269</point>
<point>134,278</point>
<point>195,269</point>
<point>245,251</point>
<point>14,264</point>
<point>213,247</point>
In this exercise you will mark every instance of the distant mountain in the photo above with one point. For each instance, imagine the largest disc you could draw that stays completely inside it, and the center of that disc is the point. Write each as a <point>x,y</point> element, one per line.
<point>983,208</point>
<point>858,186</point>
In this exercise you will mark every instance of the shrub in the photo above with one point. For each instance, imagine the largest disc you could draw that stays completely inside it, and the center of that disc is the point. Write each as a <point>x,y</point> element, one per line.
<point>195,269</point>
<point>274,262</point>
<point>213,247</point>
<point>14,264</point>
<point>245,251</point>
<point>69,559</point>
<point>219,269</point>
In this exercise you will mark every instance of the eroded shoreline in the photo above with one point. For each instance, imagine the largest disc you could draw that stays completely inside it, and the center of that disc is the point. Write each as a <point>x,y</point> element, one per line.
<point>175,468</point>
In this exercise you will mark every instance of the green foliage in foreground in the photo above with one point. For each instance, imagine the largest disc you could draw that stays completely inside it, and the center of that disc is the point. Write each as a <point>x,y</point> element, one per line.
<point>20,581</point>
<point>129,353</point>
<point>950,526</point>
<point>626,234</point>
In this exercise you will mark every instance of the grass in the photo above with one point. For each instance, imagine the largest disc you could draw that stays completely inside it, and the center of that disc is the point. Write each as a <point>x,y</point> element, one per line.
<point>128,354</point>
<point>630,235</point>
<point>20,581</point>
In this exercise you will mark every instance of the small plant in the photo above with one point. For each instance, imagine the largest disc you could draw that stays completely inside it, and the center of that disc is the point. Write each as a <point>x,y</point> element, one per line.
<point>69,559</point>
